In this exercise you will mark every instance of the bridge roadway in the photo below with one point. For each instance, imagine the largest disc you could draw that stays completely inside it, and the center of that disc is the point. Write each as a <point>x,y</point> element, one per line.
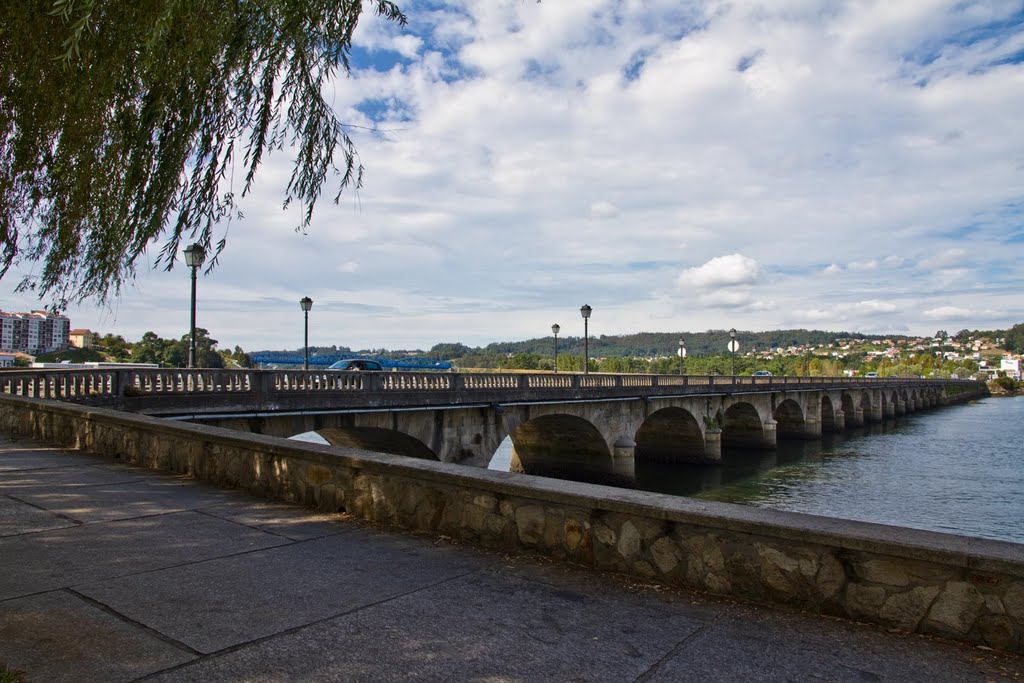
<point>117,573</point>
<point>585,427</point>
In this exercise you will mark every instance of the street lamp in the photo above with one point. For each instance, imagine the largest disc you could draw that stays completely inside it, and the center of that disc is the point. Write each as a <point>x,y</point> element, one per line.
<point>306,303</point>
<point>585,312</point>
<point>194,257</point>
<point>682,354</point>
<point>733,346</point>
<point>554,329</point>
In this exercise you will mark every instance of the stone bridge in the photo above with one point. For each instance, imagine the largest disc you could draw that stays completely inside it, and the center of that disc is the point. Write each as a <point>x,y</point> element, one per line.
<point>586,427</point>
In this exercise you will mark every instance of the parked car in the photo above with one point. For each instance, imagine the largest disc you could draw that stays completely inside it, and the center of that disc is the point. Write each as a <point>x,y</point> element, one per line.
<point>762,373</point>
<point>356,364</point>
<point>871,374</point>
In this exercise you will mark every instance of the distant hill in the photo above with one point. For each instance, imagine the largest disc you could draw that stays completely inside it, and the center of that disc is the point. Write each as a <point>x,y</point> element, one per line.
<point>640,345</point>
<point>653,344</point>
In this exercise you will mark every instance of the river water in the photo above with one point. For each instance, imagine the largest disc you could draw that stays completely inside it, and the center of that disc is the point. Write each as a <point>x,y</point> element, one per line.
<point>957,469</point>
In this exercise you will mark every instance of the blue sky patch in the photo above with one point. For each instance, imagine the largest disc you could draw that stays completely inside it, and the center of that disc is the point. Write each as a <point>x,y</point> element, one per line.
<point>377,60</point>
<point>386,109</point>
<point>998,31</point>
<point>635,65</point>
<point>748,61</point>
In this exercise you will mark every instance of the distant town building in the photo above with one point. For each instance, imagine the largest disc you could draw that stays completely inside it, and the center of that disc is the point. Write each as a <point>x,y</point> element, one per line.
<point>1011,366</point>
<point>7,360</point>
<point>33,333</point>
<point>81,338</point>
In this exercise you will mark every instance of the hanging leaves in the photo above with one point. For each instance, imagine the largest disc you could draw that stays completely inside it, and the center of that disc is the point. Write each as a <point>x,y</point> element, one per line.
<point>122,123</point>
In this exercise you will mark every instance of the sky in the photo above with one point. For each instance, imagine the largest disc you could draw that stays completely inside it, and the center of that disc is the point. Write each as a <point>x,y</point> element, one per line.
<point>679,167</point>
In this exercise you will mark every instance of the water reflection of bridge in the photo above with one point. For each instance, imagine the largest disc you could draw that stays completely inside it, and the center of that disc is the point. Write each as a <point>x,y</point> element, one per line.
<point>585,427</point>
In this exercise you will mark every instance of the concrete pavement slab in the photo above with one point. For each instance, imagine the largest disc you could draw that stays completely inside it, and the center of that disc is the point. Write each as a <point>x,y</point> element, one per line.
<point>772,640</point>
<point>291,521</point>
<point>482,627</point>
<point>94,552</point>
<point>17,517</point>
<point>750,643</point>
<point>24,456</point>
<point>217,604</point>
<point>16,482</point>
<point>58,636</point>
<point>155,495</point>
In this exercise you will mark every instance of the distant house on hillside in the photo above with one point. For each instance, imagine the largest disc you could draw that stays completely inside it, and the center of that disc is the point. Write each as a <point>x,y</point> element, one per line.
<point>81,338</point>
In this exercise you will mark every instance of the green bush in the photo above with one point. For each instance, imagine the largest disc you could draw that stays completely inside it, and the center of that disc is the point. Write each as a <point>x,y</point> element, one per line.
<point>1006,383</point>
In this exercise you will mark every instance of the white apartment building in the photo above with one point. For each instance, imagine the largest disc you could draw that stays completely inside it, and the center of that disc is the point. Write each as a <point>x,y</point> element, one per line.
<point>34,333</point>
<point>1011,366</point>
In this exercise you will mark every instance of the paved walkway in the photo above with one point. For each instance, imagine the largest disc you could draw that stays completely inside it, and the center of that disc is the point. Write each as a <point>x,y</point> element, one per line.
<point>114,573</point>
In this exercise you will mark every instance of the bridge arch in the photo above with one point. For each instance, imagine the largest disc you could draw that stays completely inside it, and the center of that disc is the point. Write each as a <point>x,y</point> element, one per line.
<point>377,439</point>
<point>670,435</point>
<point>828,415</point>
<point>849,408</point>
<point>789,418</point>
<point>865,402</point>
<point>561,446</point>
<point>742,427</point>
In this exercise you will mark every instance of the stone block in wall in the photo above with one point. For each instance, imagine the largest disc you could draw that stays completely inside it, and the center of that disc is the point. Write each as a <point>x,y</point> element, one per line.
<point>630,543</point>
<point>831,576</point>
<point>665,555</point>
<point>956,609</point>
<point>997,631</point>
<point>1013,600</point>
<point>864,602</point>
<point>530,520</point>
<point>905,610</point>
<point>703,560</point>
<point>788,571</point>
<point>575,532</point>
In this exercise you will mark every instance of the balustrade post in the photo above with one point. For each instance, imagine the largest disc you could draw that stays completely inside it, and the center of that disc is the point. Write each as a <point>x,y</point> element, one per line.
<point>264,387</point>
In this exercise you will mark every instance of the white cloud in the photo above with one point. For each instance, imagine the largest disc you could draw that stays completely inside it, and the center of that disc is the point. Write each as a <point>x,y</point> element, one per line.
<point>348,267</point>
<point>875,306</point>
<point>722,271</point>
<point>832,269</point>
<point>730,298</point>
<point>948,257</point>
<point>603,210</point>
<point>818,315</point>
<point>863,266</point>
<point>946,313</point>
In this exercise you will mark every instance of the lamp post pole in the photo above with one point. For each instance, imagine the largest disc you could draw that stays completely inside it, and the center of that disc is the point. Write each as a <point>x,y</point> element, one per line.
<point>585,312</point>
<point>554,329</point>
<point>682,355</point>
<point>194,257</point>
<point>306,303</point>
<point>733,345</point>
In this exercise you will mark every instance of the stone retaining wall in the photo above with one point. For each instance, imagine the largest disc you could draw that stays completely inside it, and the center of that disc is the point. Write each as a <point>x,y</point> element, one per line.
<point>954,586</point>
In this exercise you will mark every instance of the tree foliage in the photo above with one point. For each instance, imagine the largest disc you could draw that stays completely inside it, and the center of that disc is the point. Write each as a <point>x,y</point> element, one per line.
<point>1014,339</point>
<point>122,123</point>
